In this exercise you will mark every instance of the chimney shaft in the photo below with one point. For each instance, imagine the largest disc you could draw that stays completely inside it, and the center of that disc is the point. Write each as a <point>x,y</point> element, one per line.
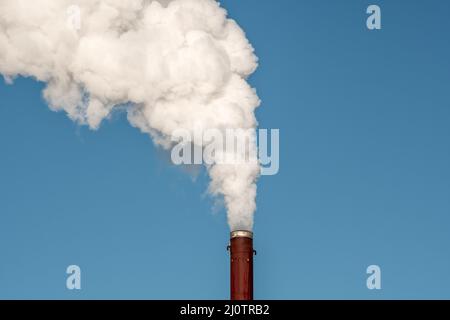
<point>241,277</point>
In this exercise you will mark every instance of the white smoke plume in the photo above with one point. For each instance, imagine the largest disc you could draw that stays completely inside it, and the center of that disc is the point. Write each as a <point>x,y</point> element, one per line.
<point>173,64</point>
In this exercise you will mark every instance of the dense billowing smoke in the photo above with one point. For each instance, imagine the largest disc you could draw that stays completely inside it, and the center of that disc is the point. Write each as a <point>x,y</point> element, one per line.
<point>173,64</point>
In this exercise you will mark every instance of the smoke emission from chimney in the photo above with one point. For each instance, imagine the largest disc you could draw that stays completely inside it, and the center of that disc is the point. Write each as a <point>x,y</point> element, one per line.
<point>174,64</point>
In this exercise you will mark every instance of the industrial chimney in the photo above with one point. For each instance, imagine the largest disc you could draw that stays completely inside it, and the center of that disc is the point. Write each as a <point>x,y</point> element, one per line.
<point>241,254</point>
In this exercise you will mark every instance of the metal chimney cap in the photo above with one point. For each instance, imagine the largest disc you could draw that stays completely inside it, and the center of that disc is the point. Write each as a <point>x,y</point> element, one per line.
<point>241,234</point>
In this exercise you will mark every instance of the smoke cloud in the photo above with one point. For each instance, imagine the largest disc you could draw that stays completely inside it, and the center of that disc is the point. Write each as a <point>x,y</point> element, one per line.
<point>173,64</point>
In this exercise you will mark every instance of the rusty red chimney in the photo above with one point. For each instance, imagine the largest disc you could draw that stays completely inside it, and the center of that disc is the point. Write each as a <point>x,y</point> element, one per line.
<point>241,277</point>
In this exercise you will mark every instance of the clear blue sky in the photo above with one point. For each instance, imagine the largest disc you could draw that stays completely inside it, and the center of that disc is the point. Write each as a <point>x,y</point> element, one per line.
<point>364,176</point>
